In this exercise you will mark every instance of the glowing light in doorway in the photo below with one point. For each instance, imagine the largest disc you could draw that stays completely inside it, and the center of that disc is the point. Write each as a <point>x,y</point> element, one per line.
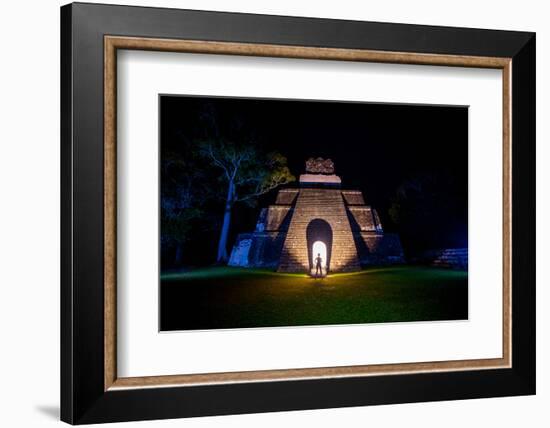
<point>319,250</point>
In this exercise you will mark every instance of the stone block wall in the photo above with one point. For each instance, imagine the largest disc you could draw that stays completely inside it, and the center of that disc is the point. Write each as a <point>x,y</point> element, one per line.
<point>361,219</point>
<point>265,249</point>
<point>378,249</point>
<point>258,249</point>
<point>326,205</point>
<point>276,216</point>
<point>286,196</point>
<point>451,258</point>
<point>353,197</point>
<point>240,251</point>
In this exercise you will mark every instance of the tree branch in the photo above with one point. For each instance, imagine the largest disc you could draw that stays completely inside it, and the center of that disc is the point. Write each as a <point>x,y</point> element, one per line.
<point>217,161</point>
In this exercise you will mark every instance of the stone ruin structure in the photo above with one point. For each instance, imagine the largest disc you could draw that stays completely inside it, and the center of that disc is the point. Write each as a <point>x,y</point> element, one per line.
<point>318,217</point>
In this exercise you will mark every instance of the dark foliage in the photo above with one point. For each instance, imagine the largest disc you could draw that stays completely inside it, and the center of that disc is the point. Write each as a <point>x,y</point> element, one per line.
<point>431,212</point>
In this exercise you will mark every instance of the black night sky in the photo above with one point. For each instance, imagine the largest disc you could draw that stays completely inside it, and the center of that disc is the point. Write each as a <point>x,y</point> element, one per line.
<point>375,148</point>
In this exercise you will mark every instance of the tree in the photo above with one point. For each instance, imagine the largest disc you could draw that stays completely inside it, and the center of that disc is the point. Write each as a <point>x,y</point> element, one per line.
<point>247,173</point>
<point>181,201</point>
<point>430,211</point>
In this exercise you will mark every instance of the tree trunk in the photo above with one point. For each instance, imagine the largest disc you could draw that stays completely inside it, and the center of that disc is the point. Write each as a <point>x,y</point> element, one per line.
<point>222,244</point>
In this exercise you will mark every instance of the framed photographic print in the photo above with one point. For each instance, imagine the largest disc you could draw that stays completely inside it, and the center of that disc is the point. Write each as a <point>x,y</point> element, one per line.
<point>264,213</point>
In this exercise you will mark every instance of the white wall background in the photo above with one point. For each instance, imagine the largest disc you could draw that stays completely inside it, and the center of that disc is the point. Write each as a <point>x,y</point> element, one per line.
<point>29,214</point>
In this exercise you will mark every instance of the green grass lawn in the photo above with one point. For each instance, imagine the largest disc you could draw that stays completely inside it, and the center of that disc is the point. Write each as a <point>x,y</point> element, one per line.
<point>223,297</point>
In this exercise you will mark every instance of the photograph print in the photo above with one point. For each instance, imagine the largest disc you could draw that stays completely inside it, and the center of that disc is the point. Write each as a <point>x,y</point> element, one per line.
<point>284,213</point>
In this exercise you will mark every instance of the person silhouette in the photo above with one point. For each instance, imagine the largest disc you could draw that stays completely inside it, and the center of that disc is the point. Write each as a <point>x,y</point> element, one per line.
<point>318,265</point>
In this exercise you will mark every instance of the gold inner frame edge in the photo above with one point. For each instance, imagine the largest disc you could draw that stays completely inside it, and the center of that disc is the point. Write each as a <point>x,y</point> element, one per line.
<point>113,43</point>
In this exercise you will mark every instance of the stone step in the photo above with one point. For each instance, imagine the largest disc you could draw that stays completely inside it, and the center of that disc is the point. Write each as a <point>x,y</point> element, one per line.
<point>456,258</point>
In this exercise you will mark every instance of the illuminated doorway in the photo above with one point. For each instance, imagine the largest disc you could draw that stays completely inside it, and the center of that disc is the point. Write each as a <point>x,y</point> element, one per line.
<point>319,241</point>
<point>319,250</point>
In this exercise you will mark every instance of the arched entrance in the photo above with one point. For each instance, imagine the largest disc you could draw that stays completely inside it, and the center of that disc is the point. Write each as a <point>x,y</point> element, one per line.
<point>319,244</point>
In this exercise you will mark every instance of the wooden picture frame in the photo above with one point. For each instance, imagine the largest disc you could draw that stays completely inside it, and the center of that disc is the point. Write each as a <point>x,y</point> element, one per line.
<point>91,390</point>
